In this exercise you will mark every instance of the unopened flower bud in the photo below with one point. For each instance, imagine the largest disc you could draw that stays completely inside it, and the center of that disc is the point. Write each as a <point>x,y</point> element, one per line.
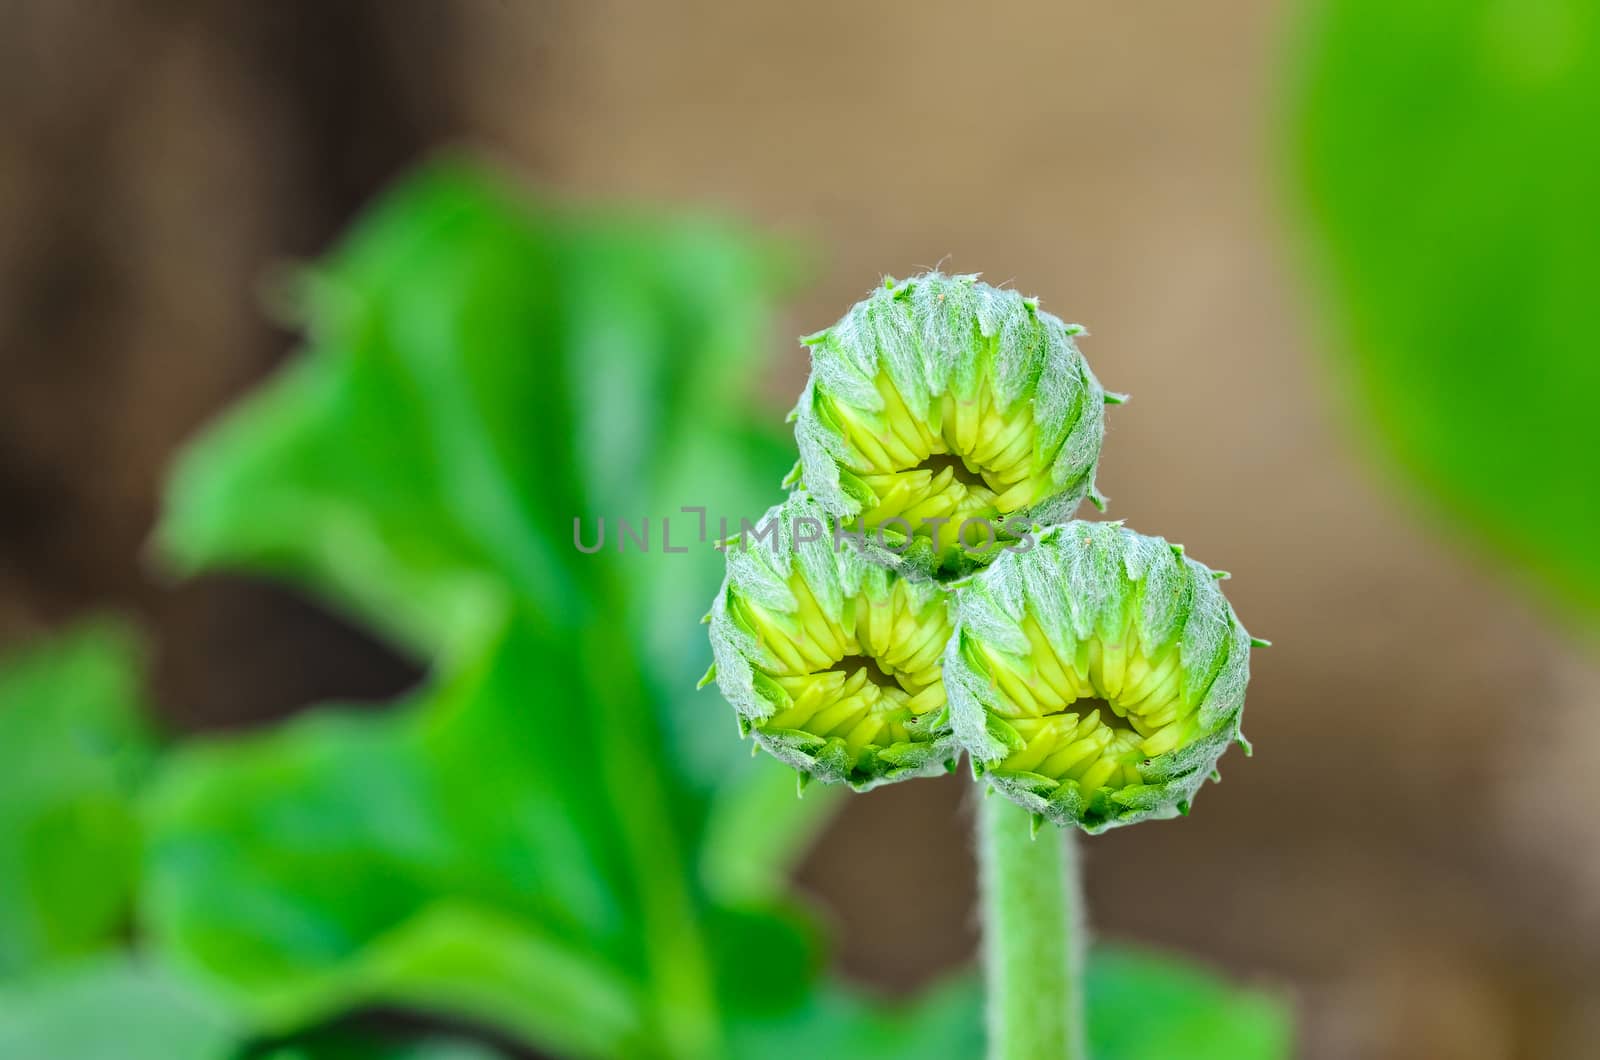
<point>831,662</point>
<point>941,400</point>
<point>1097,678</point>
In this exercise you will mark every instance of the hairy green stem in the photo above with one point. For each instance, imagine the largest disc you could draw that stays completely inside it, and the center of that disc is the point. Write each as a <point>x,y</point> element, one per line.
<point>1032,936</point>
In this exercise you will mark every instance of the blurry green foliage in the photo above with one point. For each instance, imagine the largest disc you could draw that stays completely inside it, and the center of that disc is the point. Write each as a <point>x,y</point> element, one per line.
<point>111,1008</point>
<point>1448,159</point>
<point>72,748</point>
<point>116,1006</point>
<point>555,838</point>
<point>75,749</point>
<point>519,843</point>
<point>1144,1005</point>
<point>1141,1006</point>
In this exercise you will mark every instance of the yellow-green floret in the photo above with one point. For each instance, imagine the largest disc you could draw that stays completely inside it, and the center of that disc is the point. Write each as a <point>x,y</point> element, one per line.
<point>1097,677</point>
<point>940,400</point>
<point>832,662</point>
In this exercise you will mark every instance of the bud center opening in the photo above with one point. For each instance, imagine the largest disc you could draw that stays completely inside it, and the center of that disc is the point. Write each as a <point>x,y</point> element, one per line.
<point>876,674</point>
<point>1109,718</point>
<point>959,470</point>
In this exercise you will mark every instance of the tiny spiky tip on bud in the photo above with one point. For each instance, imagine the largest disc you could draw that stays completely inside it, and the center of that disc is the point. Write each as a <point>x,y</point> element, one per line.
<point>832,660</point>
<point>1097,677</point>
<point>939,400</point>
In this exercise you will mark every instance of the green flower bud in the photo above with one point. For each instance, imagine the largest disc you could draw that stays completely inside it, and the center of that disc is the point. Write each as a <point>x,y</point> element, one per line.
<point>941,399</point>
<point>1096,678</point>
<point>831,662</point>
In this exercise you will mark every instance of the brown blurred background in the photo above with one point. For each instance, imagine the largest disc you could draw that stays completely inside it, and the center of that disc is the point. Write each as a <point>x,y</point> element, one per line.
<point>1413,853</point>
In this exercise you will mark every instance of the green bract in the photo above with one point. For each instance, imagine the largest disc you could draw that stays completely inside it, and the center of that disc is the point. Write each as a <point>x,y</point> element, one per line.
<point>941,399</point>
<point>1096,678</point>
<point>831,661</point>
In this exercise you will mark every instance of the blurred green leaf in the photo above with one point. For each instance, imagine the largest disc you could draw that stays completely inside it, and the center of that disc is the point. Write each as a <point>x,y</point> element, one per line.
<point>1141,1006</point>
<point>460,855</point>
<point>348,860</point>
<point>945,1023</point>
<point>519,844</point>
<point>72,748</point>
<point>481,373</point>
<point>111,1008</point>
<point>1144,1005</point>
<point>1446,157</point>
<point>468,963</point>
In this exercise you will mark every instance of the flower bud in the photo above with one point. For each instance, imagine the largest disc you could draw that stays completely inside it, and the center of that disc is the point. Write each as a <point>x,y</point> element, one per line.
<point>831,662</point>
<point>939,400</point>
<point>1097,678</point>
